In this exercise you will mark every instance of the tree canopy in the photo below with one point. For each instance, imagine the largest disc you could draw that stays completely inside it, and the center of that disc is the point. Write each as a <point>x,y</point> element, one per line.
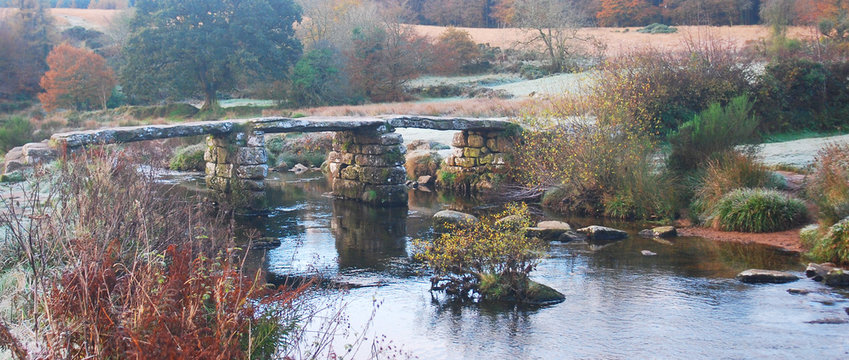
<point>78,78</point>
<point>190,47</point>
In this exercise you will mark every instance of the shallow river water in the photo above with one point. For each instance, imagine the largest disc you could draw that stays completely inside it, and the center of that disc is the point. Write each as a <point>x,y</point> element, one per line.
<point>683,303</point>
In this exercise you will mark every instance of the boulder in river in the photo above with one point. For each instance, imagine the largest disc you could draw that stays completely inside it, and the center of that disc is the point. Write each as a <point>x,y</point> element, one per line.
<point>603,233</point>
<point>549,230</point>
<point>660,232</point>
<point>450,217</point>
<point>758,276</point>
<point>648,253</point>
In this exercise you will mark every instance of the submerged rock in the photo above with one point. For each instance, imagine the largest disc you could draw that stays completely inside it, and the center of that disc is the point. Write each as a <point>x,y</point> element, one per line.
<point>659,232</point>
<point>758,276</point>
<point>265,243</point>
<point>445,217</point>
<point>799,291</point>
<point>603,233</point>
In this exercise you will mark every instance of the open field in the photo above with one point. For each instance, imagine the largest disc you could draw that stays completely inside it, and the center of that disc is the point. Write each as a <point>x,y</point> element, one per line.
<point>617,40</point>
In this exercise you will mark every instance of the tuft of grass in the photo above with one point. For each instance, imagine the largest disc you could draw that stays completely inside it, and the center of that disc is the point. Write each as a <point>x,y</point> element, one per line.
<point>724,173</point>
<point>759,211</point>
<point>828,245</point>
<point>188,158</point>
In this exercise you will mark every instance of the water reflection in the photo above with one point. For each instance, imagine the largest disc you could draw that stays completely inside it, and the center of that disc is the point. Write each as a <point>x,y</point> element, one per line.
<point>366,236</point>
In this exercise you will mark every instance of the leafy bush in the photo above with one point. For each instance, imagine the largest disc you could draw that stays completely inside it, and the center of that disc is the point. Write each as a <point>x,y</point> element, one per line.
<point>456,53</point>
<point>828,185</point>
<point>15,131</point>
<point>188,158</point>
<point>714,130</point>
<point>488,260</point>
<point>657,28</point>
<point>318,79</point>
<point>829,245</point>
<point>759,210</point>
<point>729,171</point>
<point>800,94</point>
<point>593,169</point>
<point>664,89</point>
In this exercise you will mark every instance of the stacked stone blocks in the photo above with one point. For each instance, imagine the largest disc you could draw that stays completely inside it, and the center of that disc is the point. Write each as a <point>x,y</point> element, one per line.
<point>479,157</point>
<point>237,162</point>
<point>368,166</point>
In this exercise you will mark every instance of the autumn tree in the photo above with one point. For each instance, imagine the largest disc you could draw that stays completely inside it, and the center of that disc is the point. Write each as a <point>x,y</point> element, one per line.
<point>456,50</point>
<point>383,59</point>
<point>78,78</point>
<point>627,13</point>
<point>183,48</point>
<point>552,25</point>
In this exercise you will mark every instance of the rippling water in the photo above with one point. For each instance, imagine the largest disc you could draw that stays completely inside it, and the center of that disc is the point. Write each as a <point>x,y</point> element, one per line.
<point>682,303</point>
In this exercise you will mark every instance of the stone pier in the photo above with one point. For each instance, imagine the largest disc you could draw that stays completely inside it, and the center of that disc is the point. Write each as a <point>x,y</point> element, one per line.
<point>479,161</point>
<point>237,164</point>
<point>368,166</point>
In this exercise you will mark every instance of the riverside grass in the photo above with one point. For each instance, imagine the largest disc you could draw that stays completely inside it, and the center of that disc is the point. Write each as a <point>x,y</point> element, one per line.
<point>759,211</point>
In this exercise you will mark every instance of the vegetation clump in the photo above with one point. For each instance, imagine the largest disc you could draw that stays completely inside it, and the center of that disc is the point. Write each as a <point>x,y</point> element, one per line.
<point>488,260</point>
<point>307,149</point>
<point>715,130</point>
<point>759,210</point>
<point>828,184</point>
<point>188,158</point>
<point>658,28</point>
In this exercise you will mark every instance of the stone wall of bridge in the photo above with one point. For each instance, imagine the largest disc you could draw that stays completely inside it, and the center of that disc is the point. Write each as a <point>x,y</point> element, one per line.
<point>368,166</point>
<point>237,164</point>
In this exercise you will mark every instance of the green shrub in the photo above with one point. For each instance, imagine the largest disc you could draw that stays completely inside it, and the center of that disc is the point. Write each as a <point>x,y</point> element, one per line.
<point>307,149</point>
<point>828,184</point>
<point>830,244</point>
<point>726,172</point>
<point>715,130</point>
<point>657,28</point>
<point>801,94</point>
<point>15,131</point>
<point>759,210</point>
<point>188,158</point>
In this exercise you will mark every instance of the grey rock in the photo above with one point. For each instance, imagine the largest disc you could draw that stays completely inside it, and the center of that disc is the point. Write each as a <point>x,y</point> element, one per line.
<point>648,253</point>
<point>300,169</point>
<point>603,233</point>
<point>425,180</point>
<point>451,217</point>
<point>758,276</point>
<point>571,236</point>
<point>659,232</point>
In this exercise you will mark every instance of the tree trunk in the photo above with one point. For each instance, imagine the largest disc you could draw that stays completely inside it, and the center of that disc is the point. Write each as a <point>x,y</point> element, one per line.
<point>210,102</point>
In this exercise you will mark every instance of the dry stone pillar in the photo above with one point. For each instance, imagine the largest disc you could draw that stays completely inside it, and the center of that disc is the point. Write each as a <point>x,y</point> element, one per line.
<point>479,161</point>
<point>368,166</point>
<point>237,164</point>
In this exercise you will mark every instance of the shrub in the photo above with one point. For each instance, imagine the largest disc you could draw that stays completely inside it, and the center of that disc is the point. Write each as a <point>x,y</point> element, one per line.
<point>177,110</point>
<point>188,158</point>
<point>714,130</point>
<point>318,79</point>
<point>828,185</point>
<point>829,244</point>
<point>800,94</point>
<point>664,89</point>
<point>726,172</point>
<point>759,210</point>
<point>457,52</point>
<point>15,131</point>
<point>657,28</point>
<point>593,169</point>
<point>488,260</point>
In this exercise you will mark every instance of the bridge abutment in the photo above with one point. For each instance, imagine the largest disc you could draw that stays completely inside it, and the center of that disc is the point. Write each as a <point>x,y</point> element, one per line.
<point>237,164</point>
<point>368,166</point>
<point>479,161</point>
